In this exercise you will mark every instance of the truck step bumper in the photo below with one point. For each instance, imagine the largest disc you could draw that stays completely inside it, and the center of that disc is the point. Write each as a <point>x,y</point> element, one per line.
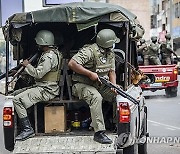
<point>64,144</point>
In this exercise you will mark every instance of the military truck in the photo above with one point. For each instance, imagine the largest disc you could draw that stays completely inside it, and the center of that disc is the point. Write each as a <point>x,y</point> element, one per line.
<point>78,23</point>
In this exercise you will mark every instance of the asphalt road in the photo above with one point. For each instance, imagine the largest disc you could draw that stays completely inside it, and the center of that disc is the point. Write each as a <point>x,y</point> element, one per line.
<point>163,123</point>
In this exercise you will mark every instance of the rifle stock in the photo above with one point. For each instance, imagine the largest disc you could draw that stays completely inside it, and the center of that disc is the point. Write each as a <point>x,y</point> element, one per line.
<point>2,76</point>
<point>10,71</point>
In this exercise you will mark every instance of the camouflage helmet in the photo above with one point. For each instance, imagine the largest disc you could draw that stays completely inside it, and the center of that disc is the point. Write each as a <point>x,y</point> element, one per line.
<point>106,38</point>
<point>142,41</point>
<point>154,38</point>
<point>44,37</point>
<point>168,36</point>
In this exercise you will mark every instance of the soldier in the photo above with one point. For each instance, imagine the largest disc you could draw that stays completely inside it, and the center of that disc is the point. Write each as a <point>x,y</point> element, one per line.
<point>154,51</point>
<point>89,63</point>
<point>143,49</point>
<point>166,50</point>
<point>46,75</point>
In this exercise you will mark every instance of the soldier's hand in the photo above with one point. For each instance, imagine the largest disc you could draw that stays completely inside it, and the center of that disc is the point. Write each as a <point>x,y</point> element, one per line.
<point>114,90</point>
<point>93,76</point>
<point>25,63</point>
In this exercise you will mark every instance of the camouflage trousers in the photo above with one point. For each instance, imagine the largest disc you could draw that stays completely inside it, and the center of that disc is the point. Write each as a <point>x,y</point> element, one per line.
<point>28,96</point>
<point>94,97</point>
<point>167,60</point>
<point>155,60</point>
<point>146,60</point>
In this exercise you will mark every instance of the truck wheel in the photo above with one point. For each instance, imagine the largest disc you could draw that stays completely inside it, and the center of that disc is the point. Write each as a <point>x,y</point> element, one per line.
<point>142,148</point>
<point>133,149</point>
<point>171,92</point>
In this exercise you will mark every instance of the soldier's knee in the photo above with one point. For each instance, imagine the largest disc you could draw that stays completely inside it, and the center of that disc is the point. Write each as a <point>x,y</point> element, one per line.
<point>91,96</point>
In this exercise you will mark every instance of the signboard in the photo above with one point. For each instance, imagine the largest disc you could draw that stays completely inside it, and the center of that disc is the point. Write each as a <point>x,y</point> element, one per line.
<point>8,8</point>
<point>57,2</point>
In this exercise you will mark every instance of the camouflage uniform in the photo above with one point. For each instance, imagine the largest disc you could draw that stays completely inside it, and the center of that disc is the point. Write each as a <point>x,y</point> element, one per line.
<point>143,49</point>
<point>46,75</point>
<point>166,51</point>
<point>153,53</point>
<point>96,60</point>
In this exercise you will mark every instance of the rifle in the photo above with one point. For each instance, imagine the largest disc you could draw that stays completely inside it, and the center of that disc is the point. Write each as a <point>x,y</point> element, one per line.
<point>119,90</point>
<point>21,69</point>
<point>10,71</point>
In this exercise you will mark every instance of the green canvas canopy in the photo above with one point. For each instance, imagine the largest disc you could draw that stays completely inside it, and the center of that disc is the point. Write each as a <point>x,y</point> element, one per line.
<point>84,14</point>
<point>78,12</point>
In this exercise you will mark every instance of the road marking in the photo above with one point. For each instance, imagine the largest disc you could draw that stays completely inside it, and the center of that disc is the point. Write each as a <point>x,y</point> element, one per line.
<point>170,128</point>
<point>155,124</point>
<point>173,127</point>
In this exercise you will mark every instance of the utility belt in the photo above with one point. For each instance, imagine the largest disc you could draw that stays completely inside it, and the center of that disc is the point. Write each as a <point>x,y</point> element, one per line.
<point>76,78</point>
<point>50,76</point>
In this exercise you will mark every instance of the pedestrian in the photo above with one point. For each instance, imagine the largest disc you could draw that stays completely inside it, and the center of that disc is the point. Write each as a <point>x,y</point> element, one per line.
<point>89,63</point>
<point>166,50</point>
<point>143,50</point>
<point>46,86</point>
<point>154,51</point>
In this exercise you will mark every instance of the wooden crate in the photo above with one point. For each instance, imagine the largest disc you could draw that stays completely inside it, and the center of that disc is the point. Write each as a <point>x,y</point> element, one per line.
<point>55,119</point>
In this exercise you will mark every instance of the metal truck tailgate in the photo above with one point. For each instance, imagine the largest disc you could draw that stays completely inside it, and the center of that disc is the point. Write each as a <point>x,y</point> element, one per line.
<point>64,145</point>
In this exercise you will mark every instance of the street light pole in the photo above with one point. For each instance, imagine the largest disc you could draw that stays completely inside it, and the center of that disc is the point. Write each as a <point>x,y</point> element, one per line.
<point>170,19</point>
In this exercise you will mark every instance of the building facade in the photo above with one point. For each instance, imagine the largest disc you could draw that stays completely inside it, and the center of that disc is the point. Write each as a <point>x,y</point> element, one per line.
<point>141,8</point>
<point>165,18</point>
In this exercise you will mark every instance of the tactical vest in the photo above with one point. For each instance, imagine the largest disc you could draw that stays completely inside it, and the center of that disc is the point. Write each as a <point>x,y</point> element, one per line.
<point>166,49</point>
<point>54,74</point>
<point>102,65</point>
<point>144,49</point>
<point>153,49</point>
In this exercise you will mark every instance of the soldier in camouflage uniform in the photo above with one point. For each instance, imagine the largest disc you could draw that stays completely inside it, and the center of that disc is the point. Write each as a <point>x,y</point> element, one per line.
<point>89,63</point>
<point>143,49</point>
<point>46,75</point>
<point>166,50</point>
<point>154,51</point>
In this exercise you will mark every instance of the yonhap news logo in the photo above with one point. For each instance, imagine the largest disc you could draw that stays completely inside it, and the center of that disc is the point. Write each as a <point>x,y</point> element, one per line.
<point>164,140</point>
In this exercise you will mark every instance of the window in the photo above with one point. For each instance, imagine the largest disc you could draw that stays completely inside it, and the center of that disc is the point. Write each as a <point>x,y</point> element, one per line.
<point>158,9</point>
<point>163,27</point>
<point>163,5</point>
<point>177,10</point>
<point>153,21</point>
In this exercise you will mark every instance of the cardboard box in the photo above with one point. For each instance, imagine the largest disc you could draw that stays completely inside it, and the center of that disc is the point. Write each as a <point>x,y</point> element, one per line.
<point>55,119</point>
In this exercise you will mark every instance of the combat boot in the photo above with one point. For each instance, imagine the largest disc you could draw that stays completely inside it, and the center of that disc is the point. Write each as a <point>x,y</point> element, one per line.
<point>101,137</point>
<point>27,131</point>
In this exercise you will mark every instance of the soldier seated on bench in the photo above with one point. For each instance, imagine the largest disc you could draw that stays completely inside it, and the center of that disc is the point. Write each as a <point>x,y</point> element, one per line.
<point>46,75</point>
<point>91,61</point>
